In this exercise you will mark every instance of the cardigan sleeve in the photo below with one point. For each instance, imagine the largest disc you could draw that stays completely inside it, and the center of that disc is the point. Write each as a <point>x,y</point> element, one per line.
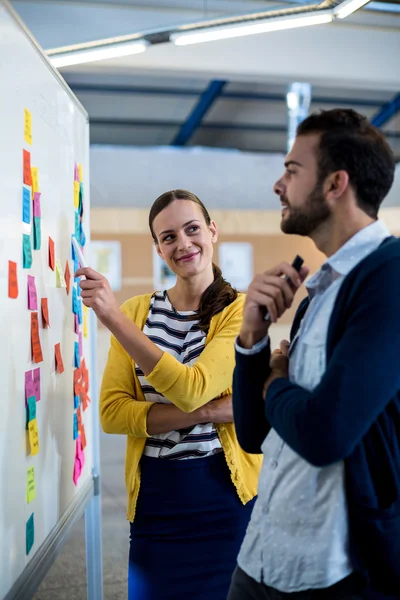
<point>362,377</point>
<point>190,387</point>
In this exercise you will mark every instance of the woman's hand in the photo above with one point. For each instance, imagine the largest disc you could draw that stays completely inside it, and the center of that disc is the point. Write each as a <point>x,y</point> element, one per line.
<point>279,364</point>
<point>97,294</point>
<point>216,411</point>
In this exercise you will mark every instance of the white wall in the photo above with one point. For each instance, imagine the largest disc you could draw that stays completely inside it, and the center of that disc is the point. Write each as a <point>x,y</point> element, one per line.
<point>225,179</point>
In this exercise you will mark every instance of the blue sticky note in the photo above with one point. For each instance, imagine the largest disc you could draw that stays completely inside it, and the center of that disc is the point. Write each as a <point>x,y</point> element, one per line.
<point>73,250</point>
<point>74,300</point>
<point>26,251</point>
<point>76,430</point>
<point>80,209</point>
<point>26,205</point>
<point>77,360</point>
<point>37,233</point>
<point>79,307</point>
<point>76,402</point>
<point>83,237</point>
<point>30,534</point>
<point>31,408</point>
<point>76,267</point>
<point>77,226</point>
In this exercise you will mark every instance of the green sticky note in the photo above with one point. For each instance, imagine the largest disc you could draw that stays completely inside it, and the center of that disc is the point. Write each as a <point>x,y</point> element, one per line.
<point>31,408</point>
<point>77,226</point>
<point>27,251</point>
<point>30,534</point>
<point>30,484</point>
<point>37,233</point>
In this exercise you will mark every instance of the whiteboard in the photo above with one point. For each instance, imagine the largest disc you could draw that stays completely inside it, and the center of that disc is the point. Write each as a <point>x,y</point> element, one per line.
<point>60,138</point>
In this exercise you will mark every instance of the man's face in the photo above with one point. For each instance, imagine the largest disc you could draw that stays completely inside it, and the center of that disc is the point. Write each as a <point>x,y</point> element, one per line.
<point>304,207</point>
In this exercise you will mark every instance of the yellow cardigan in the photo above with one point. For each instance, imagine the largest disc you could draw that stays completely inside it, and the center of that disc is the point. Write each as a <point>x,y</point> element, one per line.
<point>123,408</point>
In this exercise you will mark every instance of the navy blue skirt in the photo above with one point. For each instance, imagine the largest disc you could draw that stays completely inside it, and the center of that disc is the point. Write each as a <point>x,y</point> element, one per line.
<point>187,532</point>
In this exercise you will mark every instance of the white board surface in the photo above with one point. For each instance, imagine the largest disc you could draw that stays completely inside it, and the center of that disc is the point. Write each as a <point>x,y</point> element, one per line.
<point>59,140</point>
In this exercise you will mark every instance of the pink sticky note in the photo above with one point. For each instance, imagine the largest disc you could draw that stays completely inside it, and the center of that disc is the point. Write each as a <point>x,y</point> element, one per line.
<point>29,387</point>
<point>80,344</point>
<point>32,296</point>
<point>36,383</point>
<point>76,324</point>
<point>36,204</point>
<point>79,452</point>
<point>77,470</point>
<point>76,172</point>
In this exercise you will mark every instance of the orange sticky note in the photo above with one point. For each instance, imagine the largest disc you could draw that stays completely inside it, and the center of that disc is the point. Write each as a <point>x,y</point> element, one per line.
<point>83,437</point>
<point>77,382</point>
<point>67,276</point>
<point>27,167</point>
<point>59,360</point>
<point>51,254</point>
<point>45,313</point>
<point>35,339</point>
<point>12,280</point>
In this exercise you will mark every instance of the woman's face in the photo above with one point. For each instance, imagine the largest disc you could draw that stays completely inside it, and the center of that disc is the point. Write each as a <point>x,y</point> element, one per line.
<point>185,241</point>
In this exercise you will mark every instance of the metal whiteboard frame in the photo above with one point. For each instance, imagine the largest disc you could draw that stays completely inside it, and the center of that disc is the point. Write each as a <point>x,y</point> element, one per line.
<point>88,501</point>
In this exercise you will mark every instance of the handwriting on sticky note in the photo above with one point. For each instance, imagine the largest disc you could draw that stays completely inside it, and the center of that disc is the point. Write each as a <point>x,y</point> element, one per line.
<point>33,437</point>
<point>26,205</point>
<point>35,339</point>
<point>45,312</point>
<point>37,233</point>
<point>76,193</point>
<point>35,180</point>
<point>36,383</point>
<point>59,360</point>
<point>37,211</point>
<point>27,251</point>
<point>30,484</point>
<point>32,295</point>
<point>31,408</point>
<point>29,387</point>
<point>30,534</point>
<point>60,280</point>
<point>51,254</point>
<point>27,126</point>
<point>26,161</point>
<point>12,280</point>
<point>67,277</point>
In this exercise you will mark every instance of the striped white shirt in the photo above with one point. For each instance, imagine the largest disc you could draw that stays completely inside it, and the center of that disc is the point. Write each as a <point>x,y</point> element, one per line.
<point>179,334</point>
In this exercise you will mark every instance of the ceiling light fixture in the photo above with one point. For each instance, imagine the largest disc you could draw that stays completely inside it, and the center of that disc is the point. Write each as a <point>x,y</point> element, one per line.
<point>77,57</point>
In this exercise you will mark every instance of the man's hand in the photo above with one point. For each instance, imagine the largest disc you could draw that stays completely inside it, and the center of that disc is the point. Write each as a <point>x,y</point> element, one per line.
<point>216,411</point>
<point>270,292</point>
<point>279,365</point>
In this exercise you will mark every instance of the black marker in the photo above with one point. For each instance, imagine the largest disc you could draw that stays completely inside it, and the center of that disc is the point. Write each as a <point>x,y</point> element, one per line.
<point>296,264</point>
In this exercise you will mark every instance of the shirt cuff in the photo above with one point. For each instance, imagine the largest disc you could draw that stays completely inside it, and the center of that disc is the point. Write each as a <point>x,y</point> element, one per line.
<point>254,349</point>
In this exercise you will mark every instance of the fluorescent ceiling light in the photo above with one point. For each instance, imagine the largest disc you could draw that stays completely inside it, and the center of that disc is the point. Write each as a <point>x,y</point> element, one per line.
<point>273,24</point>
<point>349,6</point>
<point>77,57</point>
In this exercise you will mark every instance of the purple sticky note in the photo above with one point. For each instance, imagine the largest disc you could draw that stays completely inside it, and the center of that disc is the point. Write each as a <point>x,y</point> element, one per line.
<point>76,324</point>
<point>36,383</point>
<point>80,344</point>
<point>32,296</point>
<point>76,172</point>
<point>36,204</point>
<point>29,387</point>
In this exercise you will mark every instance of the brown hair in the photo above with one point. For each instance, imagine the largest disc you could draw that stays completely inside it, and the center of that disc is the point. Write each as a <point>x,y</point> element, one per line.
<point>220,293</point>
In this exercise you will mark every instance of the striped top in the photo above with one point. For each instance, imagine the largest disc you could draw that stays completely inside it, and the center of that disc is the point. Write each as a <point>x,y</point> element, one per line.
<point>177,333</point>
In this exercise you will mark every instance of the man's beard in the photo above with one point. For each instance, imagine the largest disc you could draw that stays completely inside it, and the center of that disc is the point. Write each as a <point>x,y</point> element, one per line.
<point>305,220</point>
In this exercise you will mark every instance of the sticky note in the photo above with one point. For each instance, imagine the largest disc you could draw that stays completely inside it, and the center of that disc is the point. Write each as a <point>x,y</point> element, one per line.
<point>80,172</point>
<point>30,534</point>
<point>37,233</point>
<point>74,300</point>
<point>85,400</point>
<point>30,485</point>
<point>85,375</point>
<point>80,207</point>
<point>27,251</point>
<point>76,401</point>
<point>76,431</point>
<point>29,387</point>
<point>67,277</point>
<point>36,383</point>
<point>76,194</point>
<point>26,205</point>
<point>85,321</point>
<point>83,437</point>
<point>79,307</point>
<point>77,358</point>
<point>80,344</point>
<point>27,126</point>
<point>33,437</point>
<point>26,156</point>
<point>83,238</point>
<point>60,280</point>
<point>12,280</point>
<point>32,296</point>
<point>59,360</point>
<point>37,211</point>
<point>77,381</point>
<point>79,452</point>
<point>77,470</point>
<point>76,323</point>
<point>77,226</point>
<point>35,339</point>
<point>45,312</point>
<point>31,408</point>
<point>76,172</point>
<point>79,417</point>
<point>35,180</point>
<point>51,254</point>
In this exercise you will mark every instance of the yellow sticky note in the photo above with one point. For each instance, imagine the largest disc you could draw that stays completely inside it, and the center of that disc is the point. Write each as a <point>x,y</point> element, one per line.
<point>30,484</point>
<point>85,321</point>
<point>35,179</point>
<point>80,173</point>
<point>33,437</point>
<point>60,279</point>
<point>27,126</point>
<point>76,193</point>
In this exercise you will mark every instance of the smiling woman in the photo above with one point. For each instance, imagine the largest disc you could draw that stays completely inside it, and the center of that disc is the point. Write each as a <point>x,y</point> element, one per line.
<point>167,386</point>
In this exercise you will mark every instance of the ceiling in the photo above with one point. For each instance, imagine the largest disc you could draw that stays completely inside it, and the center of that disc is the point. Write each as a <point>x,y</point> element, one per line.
<point>229,94</point>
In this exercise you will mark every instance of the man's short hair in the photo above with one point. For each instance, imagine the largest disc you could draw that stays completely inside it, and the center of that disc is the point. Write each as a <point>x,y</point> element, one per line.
<point>350,143</point>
